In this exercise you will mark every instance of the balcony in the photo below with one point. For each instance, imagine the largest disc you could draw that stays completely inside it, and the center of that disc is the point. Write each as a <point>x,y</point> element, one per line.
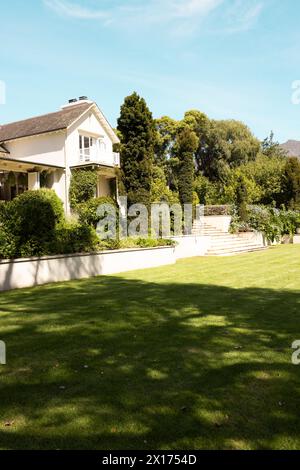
<point>90,155</point>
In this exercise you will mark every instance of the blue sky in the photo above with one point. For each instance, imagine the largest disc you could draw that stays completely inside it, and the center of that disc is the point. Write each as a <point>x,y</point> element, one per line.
<point>229,58</point>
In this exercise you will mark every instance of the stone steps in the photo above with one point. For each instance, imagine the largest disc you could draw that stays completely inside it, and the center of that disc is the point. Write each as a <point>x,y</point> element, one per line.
<point>236,251</point>
<point>225,244</point>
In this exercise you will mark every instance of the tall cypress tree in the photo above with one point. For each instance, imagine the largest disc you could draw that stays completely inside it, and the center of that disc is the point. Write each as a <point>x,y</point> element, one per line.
<point>187,143</point>
<point>291,183</point>
<point>138,137</point>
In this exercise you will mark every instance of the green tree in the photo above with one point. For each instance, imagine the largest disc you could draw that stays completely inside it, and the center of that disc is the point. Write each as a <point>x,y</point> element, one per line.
<point>271,148</point>
<point>138,138</point>
<point>201,125</point>
<point>267,173</point>
<point>160,191</point>
<point>208,192</point>
<point>291,183</point>
<point>242,198</point>
<point>167,129</point>
<point>223,145</point>
<point>186,146</point>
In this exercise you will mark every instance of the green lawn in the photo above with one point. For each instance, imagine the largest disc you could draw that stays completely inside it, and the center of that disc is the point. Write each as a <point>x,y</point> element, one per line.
<point>191,356</point>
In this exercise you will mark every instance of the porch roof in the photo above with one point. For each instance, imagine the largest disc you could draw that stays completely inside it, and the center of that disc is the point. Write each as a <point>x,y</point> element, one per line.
<point>3,150</point>
<point>11,164</point>
<point>107,170</point>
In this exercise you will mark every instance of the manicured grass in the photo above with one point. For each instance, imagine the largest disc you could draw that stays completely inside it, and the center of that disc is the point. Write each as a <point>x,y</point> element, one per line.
<point>191,356</point>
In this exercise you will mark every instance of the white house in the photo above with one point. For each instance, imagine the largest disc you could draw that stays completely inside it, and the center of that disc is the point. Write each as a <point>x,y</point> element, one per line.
<point>44,150</point>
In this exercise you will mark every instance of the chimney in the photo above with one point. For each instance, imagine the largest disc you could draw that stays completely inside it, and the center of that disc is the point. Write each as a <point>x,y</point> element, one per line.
<point>71,102</point>
<point>75,101</point>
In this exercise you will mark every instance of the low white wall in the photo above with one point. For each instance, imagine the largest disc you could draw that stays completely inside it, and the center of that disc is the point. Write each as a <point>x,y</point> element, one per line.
<point>296,240</point>
<point>256,237</point>
<point>37,271</point>
<point>191,246</point>
<point>221,222</point>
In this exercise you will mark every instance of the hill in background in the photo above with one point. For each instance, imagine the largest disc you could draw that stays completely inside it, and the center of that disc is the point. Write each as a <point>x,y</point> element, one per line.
<point>292,148</point>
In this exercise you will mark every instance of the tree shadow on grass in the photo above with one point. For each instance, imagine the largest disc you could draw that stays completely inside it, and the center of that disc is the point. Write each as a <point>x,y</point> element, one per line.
<point>111,363</point>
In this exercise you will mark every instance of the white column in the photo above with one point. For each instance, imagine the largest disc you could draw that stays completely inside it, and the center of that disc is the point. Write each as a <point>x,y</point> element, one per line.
<point>33,181</point>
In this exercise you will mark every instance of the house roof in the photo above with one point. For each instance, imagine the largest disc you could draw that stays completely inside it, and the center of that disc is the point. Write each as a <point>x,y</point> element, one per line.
<point>292,148</point>
<point>43,124</point>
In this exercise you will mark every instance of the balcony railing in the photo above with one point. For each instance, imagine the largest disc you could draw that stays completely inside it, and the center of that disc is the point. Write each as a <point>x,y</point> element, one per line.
<point>104,158</point>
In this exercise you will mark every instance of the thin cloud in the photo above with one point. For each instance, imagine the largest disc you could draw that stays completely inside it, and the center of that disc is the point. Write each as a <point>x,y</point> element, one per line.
<point>242,16</point>
<point>72,10</point>
<point>181,16</point>
<point>188,8</point>
<point>153,9</point>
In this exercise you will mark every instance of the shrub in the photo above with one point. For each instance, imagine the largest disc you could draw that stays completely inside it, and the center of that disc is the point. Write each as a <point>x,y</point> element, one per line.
<point>31,219</point>
<point>3,209</point>
<point>83,186</point>
<point>87,211</point>
<point>274,223</point>
<point>7,244</point>
<point>289,220</point>
<point>153,243</point>
<point>131,243</point>
<point>74,238</point>
<point>218,210</point>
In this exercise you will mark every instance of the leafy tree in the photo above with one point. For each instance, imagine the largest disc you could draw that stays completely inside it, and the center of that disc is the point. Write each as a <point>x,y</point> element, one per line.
<point>267,174</point>
<point>238,143</point>
<point>229,192</point>
<point>201,125</point>
<point>167,129</point>
<point>291,183</point>
<point>160,191</point>
<point>138,138</point>
<point>271,148</point>
<point>187,143</point>
<point>208,192</point>
<point>223,145</point>
<point>242,199</point>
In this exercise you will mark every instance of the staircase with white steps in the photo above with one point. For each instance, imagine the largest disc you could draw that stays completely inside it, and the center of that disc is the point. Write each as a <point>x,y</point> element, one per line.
<point>224,243</point>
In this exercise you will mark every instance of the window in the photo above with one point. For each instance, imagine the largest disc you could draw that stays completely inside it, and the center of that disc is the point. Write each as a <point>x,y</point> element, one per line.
<point>87,146</point>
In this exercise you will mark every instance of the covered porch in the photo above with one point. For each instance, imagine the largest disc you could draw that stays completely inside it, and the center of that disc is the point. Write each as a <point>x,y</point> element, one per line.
<point>107,185</point>
<point>17,176</point>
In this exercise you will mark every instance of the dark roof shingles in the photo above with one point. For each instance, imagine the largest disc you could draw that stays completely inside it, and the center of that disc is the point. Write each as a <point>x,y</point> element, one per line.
<point>43,124</point>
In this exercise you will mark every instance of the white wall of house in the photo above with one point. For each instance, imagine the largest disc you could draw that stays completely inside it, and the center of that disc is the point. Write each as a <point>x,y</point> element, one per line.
<point>61,149</point>
<point>59,185</point>
<point>88,125</point>
<point>47,149</point>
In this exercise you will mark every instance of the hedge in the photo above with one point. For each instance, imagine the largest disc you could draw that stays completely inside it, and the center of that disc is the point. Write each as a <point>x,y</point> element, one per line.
<point>218,210</point>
